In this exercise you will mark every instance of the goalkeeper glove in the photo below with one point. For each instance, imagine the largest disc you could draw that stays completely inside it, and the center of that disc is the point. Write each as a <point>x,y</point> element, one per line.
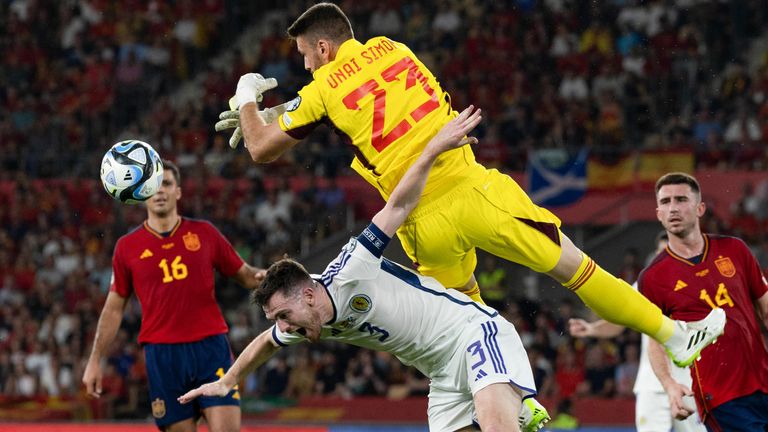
<point>231,119</point>
<point>250,89</point>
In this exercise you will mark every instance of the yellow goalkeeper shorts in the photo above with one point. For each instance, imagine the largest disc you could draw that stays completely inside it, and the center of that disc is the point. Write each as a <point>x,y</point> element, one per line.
<point>487,210</point>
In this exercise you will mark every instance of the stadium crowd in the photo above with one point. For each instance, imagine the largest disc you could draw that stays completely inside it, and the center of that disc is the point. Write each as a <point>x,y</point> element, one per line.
<point>615,76</point>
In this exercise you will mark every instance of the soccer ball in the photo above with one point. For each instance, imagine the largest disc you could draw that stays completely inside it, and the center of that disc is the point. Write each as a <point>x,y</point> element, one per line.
<point>131,171</point>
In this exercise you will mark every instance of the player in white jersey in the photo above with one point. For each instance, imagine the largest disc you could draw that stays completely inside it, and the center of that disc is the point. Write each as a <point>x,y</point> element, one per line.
<point>477,365</point>
<point>652,410</point>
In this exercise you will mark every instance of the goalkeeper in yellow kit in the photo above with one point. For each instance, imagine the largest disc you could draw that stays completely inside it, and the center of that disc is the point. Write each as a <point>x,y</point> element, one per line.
<point>384,102</point>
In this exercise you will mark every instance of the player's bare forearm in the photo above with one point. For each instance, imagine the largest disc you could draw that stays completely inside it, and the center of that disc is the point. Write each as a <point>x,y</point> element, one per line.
<point>265,142</point>
<point>762,308</point>
<point>606,329</point>
<point>406,195</point>
<point>250,277</point>
<point>675,391</point>
<point>599,329</point>
<point>254,355</point>
<point>660,364</point>
<point>109,324</point>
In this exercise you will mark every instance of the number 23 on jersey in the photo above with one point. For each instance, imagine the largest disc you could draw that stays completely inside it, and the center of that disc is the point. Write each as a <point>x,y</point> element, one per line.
<point>413,75</point>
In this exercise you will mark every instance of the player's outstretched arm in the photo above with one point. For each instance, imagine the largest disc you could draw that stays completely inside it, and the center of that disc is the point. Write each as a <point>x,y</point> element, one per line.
<point>106,329</point>
<point>408,191</point>
<point>264,142</point>
<point>261,348</point>
<point>231,120</point>
<point>578,327</point>
<point>762,308</point>
<point>675,391</point>
<point>249,276</point>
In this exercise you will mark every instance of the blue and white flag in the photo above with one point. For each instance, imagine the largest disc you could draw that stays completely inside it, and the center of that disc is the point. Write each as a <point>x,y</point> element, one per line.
<point>556,178</point>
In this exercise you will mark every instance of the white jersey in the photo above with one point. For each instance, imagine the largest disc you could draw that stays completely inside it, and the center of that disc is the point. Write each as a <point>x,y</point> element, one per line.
<point>646,380</point>
<point>383,306</point>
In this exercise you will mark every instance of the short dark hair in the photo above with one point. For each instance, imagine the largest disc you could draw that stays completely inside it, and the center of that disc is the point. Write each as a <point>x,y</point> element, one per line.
<point>323,20</point>
<point>168,165</point>
<point>675,178</point>
<point>285,276</point>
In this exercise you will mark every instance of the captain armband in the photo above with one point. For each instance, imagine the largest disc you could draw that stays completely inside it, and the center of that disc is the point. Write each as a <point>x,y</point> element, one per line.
<point>373,239</point>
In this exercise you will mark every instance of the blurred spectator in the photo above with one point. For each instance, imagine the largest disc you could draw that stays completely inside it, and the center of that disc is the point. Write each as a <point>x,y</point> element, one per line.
<point>599,373</point>
<point>573,86</point>
<point>564,43</point>
<point>447,19</point>
<point>22,382</point>
<point>542,372</point>
<point>363,378</point>
<point>626,371</point>
<point>39,362</point>
<point>328,375</point>
<point>271,210</point>
<point>276,377</point>
<point>384,21</point>
<point>301,379</point>
<point>569,376</point>
<point>492,278</point>
<point>631,266</point>
<point>743,129</point>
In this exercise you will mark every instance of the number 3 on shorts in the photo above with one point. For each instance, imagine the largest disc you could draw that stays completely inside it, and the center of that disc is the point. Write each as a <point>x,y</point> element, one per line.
<point>476,349</point>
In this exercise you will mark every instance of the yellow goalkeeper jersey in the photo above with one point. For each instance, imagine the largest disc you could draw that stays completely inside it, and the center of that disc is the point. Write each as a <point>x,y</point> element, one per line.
<point>384,102</point>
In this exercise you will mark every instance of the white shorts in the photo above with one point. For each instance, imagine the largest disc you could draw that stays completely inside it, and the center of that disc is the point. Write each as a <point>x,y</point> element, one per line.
<point>652,414</point>
<point>491,353</point>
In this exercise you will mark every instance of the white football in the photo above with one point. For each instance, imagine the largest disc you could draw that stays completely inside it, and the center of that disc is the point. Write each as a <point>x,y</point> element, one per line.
<point>131,171</point>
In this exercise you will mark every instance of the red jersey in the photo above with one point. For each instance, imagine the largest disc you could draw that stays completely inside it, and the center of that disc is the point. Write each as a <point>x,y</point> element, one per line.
<point>173,279</point>
<point>729,277</point>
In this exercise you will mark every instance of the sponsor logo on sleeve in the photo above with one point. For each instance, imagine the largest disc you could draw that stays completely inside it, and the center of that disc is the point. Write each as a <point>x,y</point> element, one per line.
<point>347,323</point>
<point>293,105</point>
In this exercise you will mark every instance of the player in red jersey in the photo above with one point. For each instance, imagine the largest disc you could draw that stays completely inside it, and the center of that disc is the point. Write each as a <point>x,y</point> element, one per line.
<point>695,274</point>
<point>169,263</point>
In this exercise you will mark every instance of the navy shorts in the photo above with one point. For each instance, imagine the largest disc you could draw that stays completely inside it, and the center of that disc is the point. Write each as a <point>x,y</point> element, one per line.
<point>174,369</point>
<point>747,413</point>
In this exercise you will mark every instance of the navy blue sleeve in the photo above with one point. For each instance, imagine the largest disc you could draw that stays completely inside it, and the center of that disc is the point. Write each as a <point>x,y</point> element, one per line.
<point>373,239</point>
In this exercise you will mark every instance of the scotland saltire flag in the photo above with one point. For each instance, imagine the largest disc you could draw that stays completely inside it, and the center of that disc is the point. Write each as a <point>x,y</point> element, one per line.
<point>556,178</point>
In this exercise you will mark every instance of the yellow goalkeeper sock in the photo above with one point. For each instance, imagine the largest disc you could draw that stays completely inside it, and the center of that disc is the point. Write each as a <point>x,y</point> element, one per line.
<point>474,293</point>
<point>615,301</point>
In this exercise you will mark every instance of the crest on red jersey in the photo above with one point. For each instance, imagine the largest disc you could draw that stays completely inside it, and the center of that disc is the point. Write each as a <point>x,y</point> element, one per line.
<point>725,267</point>
<point>191,241</point>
